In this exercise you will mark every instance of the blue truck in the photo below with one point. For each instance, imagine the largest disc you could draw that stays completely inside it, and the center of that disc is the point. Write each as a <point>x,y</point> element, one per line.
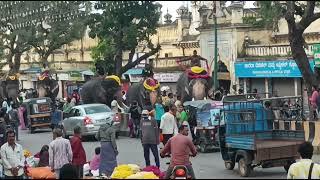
<point>255,133</point>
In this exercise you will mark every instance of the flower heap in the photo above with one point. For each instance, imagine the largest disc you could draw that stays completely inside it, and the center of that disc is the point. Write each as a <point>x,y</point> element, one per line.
<point>26,153</point>
<point>131,171</point>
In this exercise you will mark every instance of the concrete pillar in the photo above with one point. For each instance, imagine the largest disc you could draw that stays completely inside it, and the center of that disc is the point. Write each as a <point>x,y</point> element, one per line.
<point>266,87</point>
<point>296,86</point>
<point>245,85</point>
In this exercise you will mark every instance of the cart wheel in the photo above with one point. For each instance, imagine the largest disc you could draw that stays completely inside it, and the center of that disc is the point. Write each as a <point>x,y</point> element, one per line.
<point>287,166</point>
<point>32,129</point>
<point>244,169</point>
<point>229,165</point>
<point>203,147</point>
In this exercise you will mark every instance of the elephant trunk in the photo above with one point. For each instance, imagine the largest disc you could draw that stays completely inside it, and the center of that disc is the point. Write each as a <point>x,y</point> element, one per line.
<point>199,90</point>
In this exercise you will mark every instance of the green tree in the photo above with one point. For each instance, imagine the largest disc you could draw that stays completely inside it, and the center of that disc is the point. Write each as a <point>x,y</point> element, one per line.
<point>50,34</point>
<point>121,26</point>
<point>43,25</point>
<point>298,15</point>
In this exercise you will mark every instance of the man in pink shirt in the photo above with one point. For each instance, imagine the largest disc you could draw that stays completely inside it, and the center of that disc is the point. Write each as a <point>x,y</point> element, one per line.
<point>180,147</point>
<point>313,101</point>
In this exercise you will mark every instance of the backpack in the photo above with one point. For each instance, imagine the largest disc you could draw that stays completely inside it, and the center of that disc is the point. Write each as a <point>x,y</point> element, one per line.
<point>318,101</point>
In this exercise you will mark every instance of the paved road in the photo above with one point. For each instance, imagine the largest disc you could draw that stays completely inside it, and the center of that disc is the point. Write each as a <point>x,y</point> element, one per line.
<point>209,165</point>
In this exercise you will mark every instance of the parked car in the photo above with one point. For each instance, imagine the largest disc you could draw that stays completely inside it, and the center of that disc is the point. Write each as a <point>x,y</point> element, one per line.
<point>89,117</point>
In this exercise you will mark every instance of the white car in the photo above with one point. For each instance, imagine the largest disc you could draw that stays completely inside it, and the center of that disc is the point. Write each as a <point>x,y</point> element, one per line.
<point>89,117</point>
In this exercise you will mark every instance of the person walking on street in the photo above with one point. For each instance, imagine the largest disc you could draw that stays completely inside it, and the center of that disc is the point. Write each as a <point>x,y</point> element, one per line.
<point>135,112</point>
<point>159,110</point>
<point>313,101</point>
<point>79,155</point>
<point>12,157</point>
<point>56,117</point>
<point>168,125</point>
<point>60,152</point>
<point>21,110</point>
<point>305,168</point>
<point>3,129</point>
<point>4,105</point>
<point>14,120</point>
<point>67,106</point>
<point>108,155</point>
<point>150,137</point>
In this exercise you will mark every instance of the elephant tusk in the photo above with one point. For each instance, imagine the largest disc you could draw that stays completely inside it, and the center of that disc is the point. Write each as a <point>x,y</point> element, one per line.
<point>187,90</point>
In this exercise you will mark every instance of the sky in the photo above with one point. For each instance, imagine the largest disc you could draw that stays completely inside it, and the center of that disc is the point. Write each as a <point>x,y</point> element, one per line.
<point>172,7</point>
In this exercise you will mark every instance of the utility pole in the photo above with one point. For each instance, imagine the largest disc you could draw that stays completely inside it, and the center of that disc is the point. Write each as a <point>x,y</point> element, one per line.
<point>215,79</point>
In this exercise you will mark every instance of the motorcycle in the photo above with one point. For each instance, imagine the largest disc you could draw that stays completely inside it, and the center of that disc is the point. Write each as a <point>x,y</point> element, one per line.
<point>179,171</point>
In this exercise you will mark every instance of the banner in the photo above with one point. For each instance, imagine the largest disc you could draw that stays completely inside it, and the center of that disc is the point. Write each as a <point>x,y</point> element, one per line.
<point>287,68</point>
<point>316,54</point>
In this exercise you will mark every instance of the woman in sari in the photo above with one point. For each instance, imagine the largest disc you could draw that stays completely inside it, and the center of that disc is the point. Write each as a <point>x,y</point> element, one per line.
<point>21,110</point>
<point>108,155</point>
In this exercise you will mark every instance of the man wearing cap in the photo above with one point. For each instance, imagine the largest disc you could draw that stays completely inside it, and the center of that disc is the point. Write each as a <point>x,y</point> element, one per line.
<point>150,137</point>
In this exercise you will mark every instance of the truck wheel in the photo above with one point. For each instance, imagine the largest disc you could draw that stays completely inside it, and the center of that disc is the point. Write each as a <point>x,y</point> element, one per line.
<point>229,165</point>
<point>244,169</point>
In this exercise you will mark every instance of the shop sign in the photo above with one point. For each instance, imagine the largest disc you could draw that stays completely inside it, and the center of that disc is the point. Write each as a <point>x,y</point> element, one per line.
<point>23,77</point>
<point>262,69</point>
<point>167,77</point>
<point>63,77</point>
<point>135,78</point>
<point>75,76</point>
<point>316,54</point>
<point>34,77</point>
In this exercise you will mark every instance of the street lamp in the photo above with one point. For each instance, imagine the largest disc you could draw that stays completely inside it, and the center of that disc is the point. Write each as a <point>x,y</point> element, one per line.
<point>215,79</point>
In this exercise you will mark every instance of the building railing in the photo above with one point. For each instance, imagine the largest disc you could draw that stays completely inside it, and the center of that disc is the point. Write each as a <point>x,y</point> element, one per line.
<point>274,50</point>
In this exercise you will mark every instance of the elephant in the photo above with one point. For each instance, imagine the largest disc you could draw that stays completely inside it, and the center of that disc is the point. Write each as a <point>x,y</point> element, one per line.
<point>10,87</point>
<point>145,92</point>
<point>193,84</point>
<point>47,87</point>
<point>101,90</point>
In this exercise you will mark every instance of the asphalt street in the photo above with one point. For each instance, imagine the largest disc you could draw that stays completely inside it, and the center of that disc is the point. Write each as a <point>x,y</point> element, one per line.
<point>208,165</point>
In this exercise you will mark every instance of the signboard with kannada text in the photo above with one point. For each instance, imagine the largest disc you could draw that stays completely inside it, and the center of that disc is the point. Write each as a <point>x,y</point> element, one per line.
<point>262,69</point>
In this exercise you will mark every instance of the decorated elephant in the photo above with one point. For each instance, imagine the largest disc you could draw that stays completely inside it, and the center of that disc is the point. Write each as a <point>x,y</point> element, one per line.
<point>10,87</point>
<point>145,92</point>
<point>101,90</point>
<point>47,87</point>
<point>194,84</point>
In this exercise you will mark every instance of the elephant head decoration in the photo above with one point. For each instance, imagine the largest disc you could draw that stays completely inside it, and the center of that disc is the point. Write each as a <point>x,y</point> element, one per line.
<point>193,84</point>
<point>101,90</point>
<point>46,86</point>
<point>145,92</point>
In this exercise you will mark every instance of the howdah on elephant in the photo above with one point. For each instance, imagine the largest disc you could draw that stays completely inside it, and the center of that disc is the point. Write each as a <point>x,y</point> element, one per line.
<point>10,87</point>
<point>47,87</point>
<point>145,92</point>
<point>194,84</point>
<point>101,90</point>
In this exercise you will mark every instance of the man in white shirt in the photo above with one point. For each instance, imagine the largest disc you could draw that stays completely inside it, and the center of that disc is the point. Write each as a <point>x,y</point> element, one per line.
<point>168,124</point>
<point>304,168</point>
<point>12,157</point>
